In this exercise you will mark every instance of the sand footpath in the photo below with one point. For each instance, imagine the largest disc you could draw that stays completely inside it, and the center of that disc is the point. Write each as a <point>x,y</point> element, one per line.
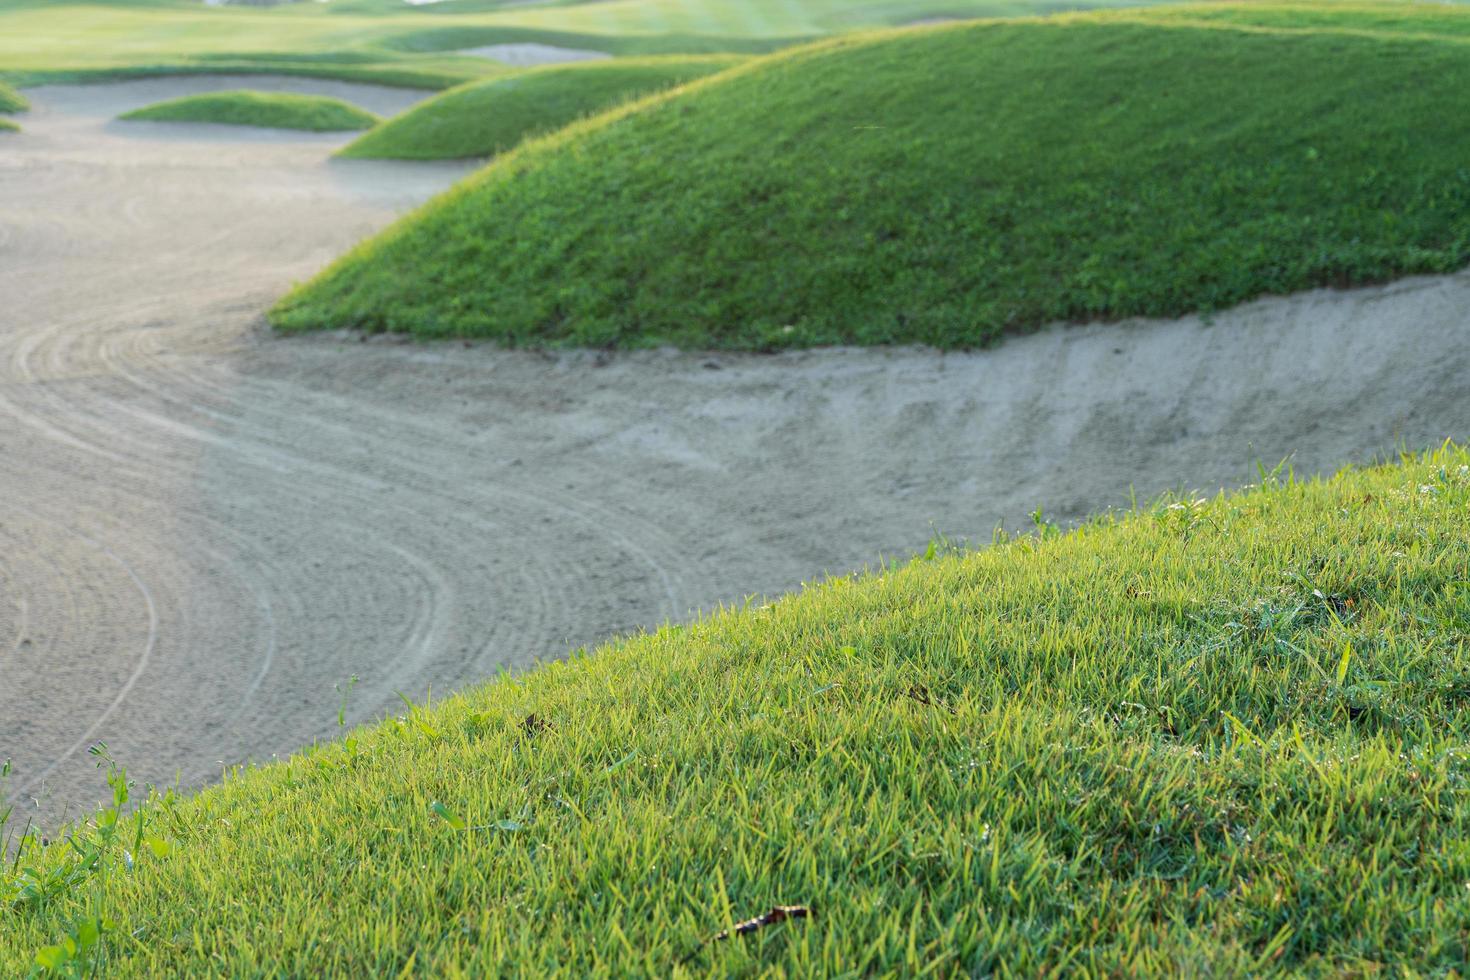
<point>203,528</point>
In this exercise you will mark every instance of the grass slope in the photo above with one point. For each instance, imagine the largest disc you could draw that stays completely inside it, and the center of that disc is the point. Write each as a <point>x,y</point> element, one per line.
<point>943,186</point>
<point>489,117</point>
<point>1217,738</point>
<point>245,108</point>
<point>11,100</point>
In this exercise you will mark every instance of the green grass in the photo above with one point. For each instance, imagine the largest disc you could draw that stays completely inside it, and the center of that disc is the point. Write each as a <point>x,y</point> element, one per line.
<point>1215,738</point>
<point>7,126</point>
<point>11,100</point>
<point>944,186</point>
<point>244,108</point>
<point>489,117</point>
<point>393,43</point>
<point>1377,19</point>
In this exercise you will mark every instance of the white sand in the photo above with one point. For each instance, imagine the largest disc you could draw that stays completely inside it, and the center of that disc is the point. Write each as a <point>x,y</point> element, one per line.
<point>531,55</point>
<point>203,528</point>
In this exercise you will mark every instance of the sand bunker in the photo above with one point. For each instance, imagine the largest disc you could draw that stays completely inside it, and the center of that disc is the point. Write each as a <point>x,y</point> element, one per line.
<point>531,55</point>
<point>204,528</point>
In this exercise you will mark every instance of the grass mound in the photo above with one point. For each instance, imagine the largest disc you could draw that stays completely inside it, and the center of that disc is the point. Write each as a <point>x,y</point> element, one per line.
<point>489,117</point>
<point>1217,737</point>
<point>246,108</point>
<point>11,100</point>
<point>944,186</point>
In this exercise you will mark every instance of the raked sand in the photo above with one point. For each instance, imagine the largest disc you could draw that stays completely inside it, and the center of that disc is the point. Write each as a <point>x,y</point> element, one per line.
<point>204,528</point>
<point>530,55</point>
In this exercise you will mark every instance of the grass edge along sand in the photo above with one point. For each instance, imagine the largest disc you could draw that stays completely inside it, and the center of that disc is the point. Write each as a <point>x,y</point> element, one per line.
<point>886,188</point>
<point>1219,735</point>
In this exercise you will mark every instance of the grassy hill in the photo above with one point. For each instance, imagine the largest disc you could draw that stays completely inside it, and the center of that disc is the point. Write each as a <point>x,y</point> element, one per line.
<point>11,100</point>
<point>491,116</point>
<point>245,108</point>
<point>1220,737</point>
<point>944,186</point>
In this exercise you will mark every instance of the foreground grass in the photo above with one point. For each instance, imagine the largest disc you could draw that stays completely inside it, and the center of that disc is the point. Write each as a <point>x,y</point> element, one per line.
<point>245,108</point>
<point>944,186</point>
<point>1215,738</point>
<point>489,117</point>
<point>11,100</point>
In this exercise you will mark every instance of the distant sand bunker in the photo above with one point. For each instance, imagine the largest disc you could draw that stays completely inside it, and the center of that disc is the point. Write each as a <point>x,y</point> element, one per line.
<point>530,55</point>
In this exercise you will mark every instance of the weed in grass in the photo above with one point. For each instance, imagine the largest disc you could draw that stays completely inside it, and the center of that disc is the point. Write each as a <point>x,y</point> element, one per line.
<point>344,690</point>
<point>79,953</point>
<point>349,741</point>
<point>77,878</point>
<point>417,716</point>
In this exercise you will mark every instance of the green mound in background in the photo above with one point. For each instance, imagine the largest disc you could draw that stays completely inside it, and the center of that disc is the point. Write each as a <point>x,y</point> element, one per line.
<point>268,109</point>
<point>1219,737</point>
<point>11,100</point>
<point>489,117</point>
<point>945,186</point>
<point>391,42</point>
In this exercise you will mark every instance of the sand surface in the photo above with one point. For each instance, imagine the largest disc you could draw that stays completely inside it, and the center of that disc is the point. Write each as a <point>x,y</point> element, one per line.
<point>203,528</point>
<point>531,55</point>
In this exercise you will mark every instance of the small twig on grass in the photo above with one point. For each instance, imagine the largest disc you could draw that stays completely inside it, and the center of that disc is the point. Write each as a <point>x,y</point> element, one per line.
<point>778,913</point>
<point>921,694</point>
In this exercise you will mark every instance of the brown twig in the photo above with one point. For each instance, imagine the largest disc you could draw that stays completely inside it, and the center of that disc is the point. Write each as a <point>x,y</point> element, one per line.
<point>778,913</point>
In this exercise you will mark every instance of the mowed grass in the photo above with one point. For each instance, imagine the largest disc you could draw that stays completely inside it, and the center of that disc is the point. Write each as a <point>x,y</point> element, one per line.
<point>1217,737</point>
<point>11,100</point>
<point>1407,20</point>
<point>943,186</point>
<point>269,109</point>
<point>489,117</point>
<point>395,43</point>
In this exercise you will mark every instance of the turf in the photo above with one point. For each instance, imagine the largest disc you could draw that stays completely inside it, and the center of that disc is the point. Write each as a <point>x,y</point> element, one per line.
<point>11,100</point>
<point>489,117</point>
<point>943,186</point>
<point>244,108</point>
<point>1219,737</point>
<point>1402,20</point>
